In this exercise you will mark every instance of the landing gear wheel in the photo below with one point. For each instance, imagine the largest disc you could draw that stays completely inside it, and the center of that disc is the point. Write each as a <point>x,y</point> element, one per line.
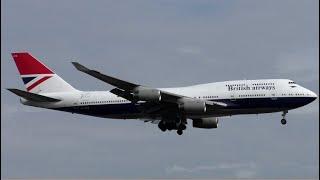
<point>182,127</point>
<point>162,126</point>
<point>180,132</point>
<point>163,129</point>
<point>283,121</point>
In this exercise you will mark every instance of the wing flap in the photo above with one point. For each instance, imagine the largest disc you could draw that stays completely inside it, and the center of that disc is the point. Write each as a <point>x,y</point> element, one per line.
<point>123,94</point>
<point>216,103</point>
<point>175,98</point>
<point>33,96</point>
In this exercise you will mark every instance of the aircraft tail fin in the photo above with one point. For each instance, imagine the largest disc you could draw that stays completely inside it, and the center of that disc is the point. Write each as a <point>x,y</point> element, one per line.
<point>37,77</point>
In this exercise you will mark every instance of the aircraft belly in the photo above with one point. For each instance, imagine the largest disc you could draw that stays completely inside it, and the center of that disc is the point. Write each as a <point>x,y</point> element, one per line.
<point>104,110</point>
<point>238,106</point>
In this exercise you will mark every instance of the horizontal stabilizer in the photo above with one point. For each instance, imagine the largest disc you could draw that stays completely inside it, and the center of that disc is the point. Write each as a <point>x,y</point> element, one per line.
<point>33,96</point>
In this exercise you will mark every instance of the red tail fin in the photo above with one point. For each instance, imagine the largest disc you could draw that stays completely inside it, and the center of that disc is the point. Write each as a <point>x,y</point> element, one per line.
<point>37,77</point>
<point>27,64</point>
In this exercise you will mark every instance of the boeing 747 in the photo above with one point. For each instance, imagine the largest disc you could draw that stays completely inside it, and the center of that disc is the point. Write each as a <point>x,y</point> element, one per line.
<point>168,107</point>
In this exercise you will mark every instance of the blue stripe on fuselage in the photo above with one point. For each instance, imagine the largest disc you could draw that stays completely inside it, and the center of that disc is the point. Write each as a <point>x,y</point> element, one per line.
<point>244,103</point>
<point>277,102</point>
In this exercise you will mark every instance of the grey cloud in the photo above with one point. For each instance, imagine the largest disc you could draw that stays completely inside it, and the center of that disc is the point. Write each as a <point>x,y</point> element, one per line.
<point>299,65</point>
<point>180,169</point>
<point>245,173</point>
<point>188,50</point>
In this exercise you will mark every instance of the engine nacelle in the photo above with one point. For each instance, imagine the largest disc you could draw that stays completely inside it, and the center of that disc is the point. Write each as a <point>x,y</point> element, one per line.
<point>146,94</point>
<point>193,106</point>
<point>206,123</point>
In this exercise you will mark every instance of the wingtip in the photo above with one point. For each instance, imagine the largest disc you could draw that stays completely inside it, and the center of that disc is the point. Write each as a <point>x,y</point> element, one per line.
<point>79,67</point>
<point>10,89</point>
<point>13,90</point>
<point>75,64</point>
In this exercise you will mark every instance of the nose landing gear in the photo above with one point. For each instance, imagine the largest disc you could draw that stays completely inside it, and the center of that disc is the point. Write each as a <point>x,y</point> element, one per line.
<point>283,120</point>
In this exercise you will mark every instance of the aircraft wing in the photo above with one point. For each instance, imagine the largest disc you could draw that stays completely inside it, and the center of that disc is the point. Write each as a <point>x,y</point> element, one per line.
<point>174,98</point>
<point>125,89</point>
<point>108,79</point>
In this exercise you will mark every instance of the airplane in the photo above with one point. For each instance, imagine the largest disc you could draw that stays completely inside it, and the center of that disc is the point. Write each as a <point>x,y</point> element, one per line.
<point>168,107</point>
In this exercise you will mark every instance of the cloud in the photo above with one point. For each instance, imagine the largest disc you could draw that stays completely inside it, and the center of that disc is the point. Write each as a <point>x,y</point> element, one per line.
<point>299,65</point>
<point>8,109</point>
<point>224,166</point>
<point>245,173</point>
<point>11,109</point>
<point>177,168</point>
<point>189,50</point>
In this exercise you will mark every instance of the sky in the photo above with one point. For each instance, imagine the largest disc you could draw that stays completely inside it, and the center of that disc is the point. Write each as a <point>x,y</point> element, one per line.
<point>163,43</point>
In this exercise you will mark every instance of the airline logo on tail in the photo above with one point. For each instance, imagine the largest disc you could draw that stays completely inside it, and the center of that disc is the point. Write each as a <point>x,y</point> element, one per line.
<point>32,71</point>
<point>37,80</point>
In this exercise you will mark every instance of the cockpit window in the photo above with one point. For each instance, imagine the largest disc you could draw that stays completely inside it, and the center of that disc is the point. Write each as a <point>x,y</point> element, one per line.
<point>291,82</point>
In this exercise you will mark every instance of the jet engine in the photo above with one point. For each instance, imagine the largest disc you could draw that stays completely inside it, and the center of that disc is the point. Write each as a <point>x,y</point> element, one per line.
<point>146,94</point>
<point>193,106</point>
<point>206,123</point>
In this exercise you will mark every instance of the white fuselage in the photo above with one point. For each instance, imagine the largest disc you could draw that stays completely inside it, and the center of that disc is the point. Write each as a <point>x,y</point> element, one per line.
<point>241,97</point>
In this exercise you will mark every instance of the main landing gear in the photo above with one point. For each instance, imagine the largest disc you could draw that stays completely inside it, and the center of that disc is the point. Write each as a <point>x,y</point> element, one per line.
<point>283,120</point>
<point>180,126</point>
<point>162,126</point>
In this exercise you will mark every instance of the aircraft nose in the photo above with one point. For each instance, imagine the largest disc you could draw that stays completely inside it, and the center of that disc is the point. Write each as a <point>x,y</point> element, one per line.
<point>313,95</point>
